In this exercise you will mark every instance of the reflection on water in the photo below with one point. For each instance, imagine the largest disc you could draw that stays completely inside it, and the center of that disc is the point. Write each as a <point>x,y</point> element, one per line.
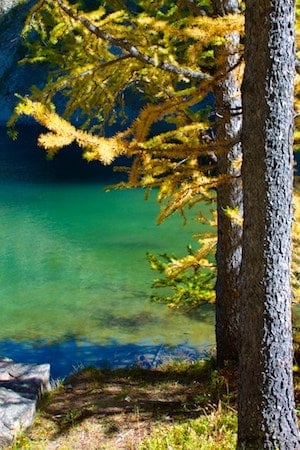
<point>71,354</point>
<point>73,264</point>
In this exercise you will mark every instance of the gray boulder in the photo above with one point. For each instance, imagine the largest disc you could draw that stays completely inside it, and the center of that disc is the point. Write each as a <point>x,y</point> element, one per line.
<point>21,385</point>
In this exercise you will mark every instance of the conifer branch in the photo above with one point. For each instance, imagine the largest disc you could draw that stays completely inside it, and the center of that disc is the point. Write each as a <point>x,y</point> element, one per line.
<point>131,49</point>
<point>194,8</point>
<point>65,82</point>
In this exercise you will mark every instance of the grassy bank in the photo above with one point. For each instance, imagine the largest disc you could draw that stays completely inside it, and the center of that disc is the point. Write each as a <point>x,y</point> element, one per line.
<point>176,407</point>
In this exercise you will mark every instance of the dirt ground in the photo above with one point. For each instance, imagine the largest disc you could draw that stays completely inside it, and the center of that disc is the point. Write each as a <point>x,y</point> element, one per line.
<point>115,410</point>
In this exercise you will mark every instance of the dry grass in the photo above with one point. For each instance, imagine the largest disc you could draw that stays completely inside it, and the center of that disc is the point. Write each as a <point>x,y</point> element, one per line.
<point>117,410</point>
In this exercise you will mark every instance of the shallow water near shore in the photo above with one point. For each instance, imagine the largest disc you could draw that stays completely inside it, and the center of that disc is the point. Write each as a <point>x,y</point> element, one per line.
<point>74,280</point>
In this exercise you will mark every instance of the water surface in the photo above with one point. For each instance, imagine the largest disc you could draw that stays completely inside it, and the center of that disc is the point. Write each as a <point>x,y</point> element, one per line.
<point>74,280</point>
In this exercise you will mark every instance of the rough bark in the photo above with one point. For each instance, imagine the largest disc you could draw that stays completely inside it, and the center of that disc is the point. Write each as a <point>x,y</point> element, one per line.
<point>266,400</point>
<point>229,194</point>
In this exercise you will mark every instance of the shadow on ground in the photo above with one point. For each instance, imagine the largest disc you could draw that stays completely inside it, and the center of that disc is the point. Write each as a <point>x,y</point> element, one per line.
<point>123,402</point>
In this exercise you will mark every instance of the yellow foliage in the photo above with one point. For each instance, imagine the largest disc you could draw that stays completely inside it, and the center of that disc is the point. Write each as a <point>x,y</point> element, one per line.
<point>63,133</point>
<point>205,29</point>
<point>152,113</point>
<point>234,215</point>
<point>296,247</point>
<point>199,259</point>
<point>128,51</point>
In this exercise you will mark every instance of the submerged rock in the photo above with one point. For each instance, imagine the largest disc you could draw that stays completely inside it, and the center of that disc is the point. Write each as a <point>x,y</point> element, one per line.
<point>21,385</point>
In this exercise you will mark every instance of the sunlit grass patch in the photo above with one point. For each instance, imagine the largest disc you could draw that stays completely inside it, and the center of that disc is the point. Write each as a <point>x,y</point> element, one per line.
<point>214,431</point>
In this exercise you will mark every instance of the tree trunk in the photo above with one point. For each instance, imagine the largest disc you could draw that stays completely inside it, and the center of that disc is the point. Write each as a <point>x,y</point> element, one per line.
<point>229,194</point>
<point>266,412</point>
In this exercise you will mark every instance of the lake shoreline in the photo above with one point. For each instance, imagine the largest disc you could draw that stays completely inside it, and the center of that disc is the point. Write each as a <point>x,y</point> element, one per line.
<point>72,355</point>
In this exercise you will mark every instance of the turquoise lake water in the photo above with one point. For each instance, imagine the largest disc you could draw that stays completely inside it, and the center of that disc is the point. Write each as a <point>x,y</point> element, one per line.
<point>74,280</point>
